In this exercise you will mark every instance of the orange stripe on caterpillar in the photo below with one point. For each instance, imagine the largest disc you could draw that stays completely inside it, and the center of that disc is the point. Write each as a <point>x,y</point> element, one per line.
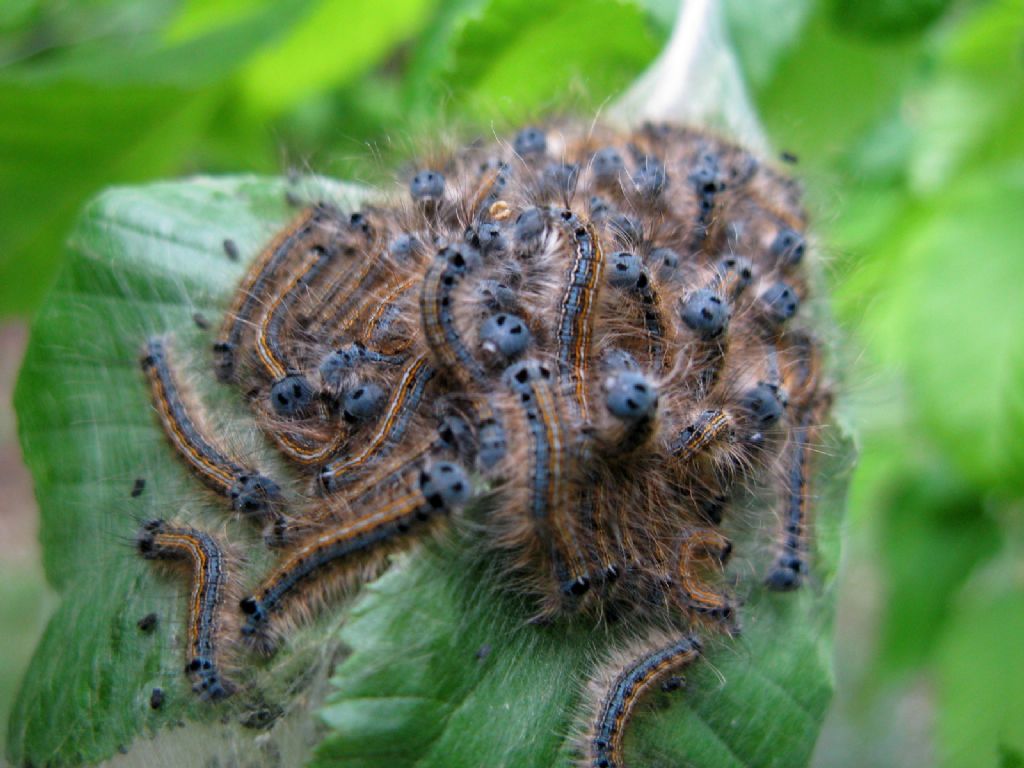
<point>377,326</point>
<point>548,473</point>
<point>309,451</point>
<point>403,405</point>
<point>310,228</point>
<point>709,427</point>
<point>158,540</point>
<point>576,308</point>
<point>338,305</point>
<point>249,491</point>
<point>271,328</point>
<point>432,492</point>
<point>703,550</point>
<point>618,697</point>
<point>438,317</point>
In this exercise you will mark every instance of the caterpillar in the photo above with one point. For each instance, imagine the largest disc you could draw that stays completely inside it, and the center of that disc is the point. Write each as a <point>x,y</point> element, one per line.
<point>585,340</point>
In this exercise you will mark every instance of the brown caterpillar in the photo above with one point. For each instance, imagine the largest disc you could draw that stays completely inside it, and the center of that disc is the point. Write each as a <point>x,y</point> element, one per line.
<point>604,327</point>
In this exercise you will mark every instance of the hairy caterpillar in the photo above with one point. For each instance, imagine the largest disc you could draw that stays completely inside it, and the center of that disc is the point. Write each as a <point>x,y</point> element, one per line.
<point>604,327</point>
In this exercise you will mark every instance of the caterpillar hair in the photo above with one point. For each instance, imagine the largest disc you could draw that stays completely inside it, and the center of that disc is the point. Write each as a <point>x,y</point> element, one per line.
<point>208,621</point>
<point>249,492</point>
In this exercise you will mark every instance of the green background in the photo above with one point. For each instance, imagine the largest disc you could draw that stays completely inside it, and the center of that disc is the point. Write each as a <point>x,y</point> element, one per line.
<point>908,120</point>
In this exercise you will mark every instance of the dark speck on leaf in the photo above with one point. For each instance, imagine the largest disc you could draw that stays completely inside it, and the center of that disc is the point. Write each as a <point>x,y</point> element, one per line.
<point>231,249</point>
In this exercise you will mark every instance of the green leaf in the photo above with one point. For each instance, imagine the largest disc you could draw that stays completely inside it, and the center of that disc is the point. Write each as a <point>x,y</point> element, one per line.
<point>58,143</point>
<point>15,14</point>
<point>971,105</point>
<point>762,31</point>
<point>24,608</point>
<point>332,45</point>
<point>434,73</point>
<point>932,234</point>
<point>882,19</point>
<point>103,114</point>
<point>203,54</point>
<point>141,261</point>
<point>934,536</point>
<point>799,102</point>
<point>945,262</point>
<point>196,18</point>
<point>516,57</point>
<point>44,31</point>
<point>981,670</point>
<point>144,261</point>
<point>432,53</point>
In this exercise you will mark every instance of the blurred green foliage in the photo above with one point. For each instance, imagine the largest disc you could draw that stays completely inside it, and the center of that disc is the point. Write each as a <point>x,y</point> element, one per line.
<point>907,116</point>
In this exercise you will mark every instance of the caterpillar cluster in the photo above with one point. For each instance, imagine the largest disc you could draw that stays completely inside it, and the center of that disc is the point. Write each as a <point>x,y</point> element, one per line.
<point>596,333</point>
